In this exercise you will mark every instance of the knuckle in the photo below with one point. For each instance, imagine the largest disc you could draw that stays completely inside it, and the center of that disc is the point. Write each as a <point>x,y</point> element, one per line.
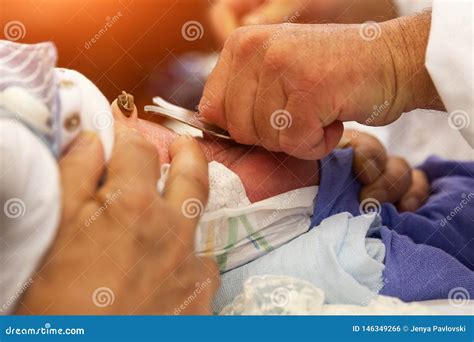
<point>233,39</point>
<point>138,142</point>
<point>249,42</point>
<point>137,201</point>
<point>199,181</point>
<point>403,167</point>
<point>235,131</point>
<point>288,142</point>
<point>275,59</point>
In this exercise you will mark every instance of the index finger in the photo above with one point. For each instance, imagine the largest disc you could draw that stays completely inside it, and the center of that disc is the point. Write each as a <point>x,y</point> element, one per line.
<point>187,187</point>
<point>212,104</point>
<point>134,169</point>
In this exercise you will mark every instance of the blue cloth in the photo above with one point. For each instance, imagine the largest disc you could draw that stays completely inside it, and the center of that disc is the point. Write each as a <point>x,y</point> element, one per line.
<point>336,257</point>
<point>428,253</point>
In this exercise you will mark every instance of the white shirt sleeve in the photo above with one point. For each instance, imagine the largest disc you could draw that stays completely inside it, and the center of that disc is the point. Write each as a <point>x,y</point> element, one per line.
<point>408,7</point>
<point>449,60</point>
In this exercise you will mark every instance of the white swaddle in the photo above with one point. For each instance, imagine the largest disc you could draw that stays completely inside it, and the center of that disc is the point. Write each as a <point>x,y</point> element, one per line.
<point>235,231</point>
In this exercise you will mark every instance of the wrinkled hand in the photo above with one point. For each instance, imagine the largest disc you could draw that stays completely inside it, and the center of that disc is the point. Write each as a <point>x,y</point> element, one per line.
<point>288,87</point>
<point>228,15</point>
<point>122,248</point>
<point>385,178</point>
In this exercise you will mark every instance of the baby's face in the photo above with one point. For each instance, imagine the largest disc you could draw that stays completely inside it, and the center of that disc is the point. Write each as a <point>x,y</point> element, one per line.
<point>264,174</point>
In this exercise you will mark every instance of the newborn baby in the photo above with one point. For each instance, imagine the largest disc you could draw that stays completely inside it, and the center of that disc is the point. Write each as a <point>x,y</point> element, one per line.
<point>258,200</point>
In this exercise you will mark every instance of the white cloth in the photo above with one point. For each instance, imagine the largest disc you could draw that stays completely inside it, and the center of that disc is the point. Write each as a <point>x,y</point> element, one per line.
<point>336,256</point>
<point>235,231</point>
<point>36,102</point>
<point>449,57</point>
<point>30,199</point>
<point>281,295</point>
<point>449,60</point>
<point>407,7</point>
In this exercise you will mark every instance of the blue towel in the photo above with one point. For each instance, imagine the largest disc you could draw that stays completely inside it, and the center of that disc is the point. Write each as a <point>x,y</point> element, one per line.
<point>429,253</point>
<point>336,257</point>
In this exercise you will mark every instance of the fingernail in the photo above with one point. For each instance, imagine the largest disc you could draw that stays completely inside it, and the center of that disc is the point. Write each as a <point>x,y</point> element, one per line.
<point>411,204</point>
<point>126,103</point>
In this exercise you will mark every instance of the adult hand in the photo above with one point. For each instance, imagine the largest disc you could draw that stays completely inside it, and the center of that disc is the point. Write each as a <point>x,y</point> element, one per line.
<point>288,87</point>
<point>123,248</point>
<point>228,15</point>
<point>385,178</point>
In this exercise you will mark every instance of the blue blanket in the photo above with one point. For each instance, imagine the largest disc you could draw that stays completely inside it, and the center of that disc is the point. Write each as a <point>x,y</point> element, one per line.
<point>429,253</point>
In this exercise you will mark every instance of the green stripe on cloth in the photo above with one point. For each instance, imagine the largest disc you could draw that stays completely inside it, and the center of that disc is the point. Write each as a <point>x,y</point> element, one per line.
<point>255,236</point>
<point>231,241</point>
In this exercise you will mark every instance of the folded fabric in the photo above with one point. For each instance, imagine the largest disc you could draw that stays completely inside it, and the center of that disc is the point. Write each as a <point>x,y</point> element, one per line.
<point>429,253</point>
<point>337,257</point>
<point>28,88</point>
<point>282,295</point>
<point>235,231</point>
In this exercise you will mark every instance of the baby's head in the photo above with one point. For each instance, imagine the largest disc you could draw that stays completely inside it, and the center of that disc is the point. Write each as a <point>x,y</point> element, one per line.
<point>256,196</point>
<point>258,200</point>
<point>264,174</point>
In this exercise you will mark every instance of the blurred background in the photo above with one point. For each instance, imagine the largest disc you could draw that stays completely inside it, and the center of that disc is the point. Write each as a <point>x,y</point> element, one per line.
<point>146,47</point>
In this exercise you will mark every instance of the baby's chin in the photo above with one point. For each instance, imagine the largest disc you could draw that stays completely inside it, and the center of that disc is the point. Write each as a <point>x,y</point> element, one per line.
<point>264,174</point>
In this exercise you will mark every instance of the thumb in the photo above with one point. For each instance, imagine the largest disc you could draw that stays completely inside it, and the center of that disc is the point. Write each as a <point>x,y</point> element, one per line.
<point>271,12</point>
<point>81,169</point>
